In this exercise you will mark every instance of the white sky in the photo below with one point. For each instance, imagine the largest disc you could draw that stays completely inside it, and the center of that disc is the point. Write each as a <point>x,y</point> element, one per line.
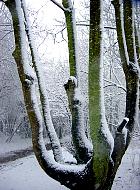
<point>46,16</point>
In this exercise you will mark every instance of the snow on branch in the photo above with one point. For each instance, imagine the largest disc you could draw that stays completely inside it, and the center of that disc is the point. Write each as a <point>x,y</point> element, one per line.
<point>123,124</point>
<point>134,67</point>
<point>122,129</point>
<point>74,80</point>
<point>81,141</point>
<point>123,32</point>
<point>47,161</point>
<point>72,39</point>
<point>42,89</point>
<point>30,74</point>
<point>82,144</point>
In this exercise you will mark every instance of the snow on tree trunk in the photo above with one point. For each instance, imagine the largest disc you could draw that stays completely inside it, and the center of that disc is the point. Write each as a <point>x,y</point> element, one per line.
<point>73,176</point>
<point>125,32</point>
<point>42,91</point>
<point>99,169</point>
<point>103,142</point>
<point>81,142</point>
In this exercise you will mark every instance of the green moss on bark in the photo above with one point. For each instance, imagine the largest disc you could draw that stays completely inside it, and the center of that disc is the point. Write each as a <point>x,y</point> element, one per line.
<point>71,40</point>
<point>100,145</point>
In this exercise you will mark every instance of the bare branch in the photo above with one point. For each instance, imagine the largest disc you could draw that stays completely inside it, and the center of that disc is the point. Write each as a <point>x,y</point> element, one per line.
<point>110,27</point>
<point>6,34</point>
<point>59,5</point>
<point>114,84</point>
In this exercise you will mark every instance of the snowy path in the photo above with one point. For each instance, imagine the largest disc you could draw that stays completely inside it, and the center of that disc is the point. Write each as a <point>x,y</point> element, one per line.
<point>128,175</point>
<point>26,174</point>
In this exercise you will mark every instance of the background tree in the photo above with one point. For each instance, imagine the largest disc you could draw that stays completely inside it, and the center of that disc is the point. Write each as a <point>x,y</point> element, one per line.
<point>12,109</point>
<point>94,169</point>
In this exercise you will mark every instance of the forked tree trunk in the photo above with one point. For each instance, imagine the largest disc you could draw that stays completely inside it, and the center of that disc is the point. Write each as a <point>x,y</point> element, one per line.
<point>126,40</point>
<point>98,173</point>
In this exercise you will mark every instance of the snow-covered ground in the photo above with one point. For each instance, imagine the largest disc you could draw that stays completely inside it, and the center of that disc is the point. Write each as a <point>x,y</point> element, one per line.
<point>128,175</point>
<point>26,173</point>
<point>17,143</point>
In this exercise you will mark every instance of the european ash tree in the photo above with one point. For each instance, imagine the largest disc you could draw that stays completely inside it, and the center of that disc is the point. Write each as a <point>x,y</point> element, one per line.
<point>99,154</point>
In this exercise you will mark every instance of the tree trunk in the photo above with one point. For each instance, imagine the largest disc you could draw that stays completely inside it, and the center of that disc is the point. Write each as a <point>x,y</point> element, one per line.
<point>101,148</point>
<point>18,58</point>
<point>83,149</point>
<point>98,171</point>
